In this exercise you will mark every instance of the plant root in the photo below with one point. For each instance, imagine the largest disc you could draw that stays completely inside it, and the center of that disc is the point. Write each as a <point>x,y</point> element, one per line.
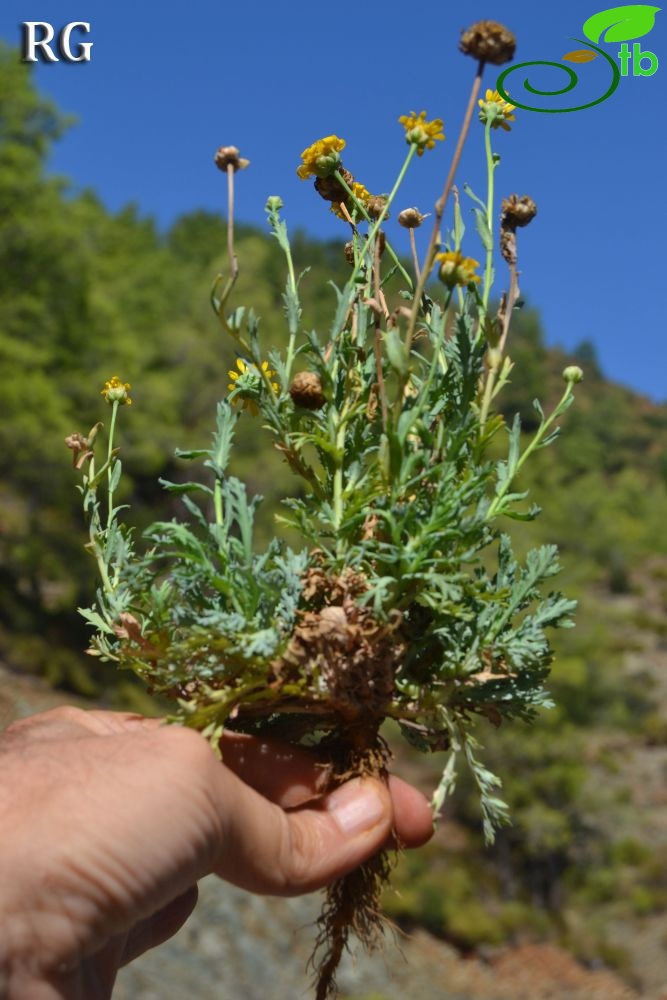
<point>352,903</point>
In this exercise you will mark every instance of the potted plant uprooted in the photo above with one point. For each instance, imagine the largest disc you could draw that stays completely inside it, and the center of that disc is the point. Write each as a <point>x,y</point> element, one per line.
<point>404,601</point>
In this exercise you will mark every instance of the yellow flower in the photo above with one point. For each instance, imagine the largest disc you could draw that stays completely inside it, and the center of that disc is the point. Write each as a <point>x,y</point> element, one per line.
<point>321,159</point>
<point>359,192</point>
<point>496,111</point>
<point>115,391</point>
<point>419,132</point>
<point>456,269</point>
<point>247,383</point>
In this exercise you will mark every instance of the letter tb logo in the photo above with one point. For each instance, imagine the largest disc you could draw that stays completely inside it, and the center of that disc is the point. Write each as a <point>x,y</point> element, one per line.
<point>38,36</point>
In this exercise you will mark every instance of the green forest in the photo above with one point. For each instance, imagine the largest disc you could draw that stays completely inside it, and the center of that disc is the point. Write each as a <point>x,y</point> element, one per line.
<point>86,294</point>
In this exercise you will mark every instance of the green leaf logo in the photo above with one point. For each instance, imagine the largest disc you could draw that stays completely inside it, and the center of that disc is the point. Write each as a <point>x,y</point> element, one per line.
<point>621,23</point>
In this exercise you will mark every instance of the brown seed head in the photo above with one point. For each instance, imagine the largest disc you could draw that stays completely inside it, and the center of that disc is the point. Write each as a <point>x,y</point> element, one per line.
<point>331,189</point>
<point>517,211</point>
<point>348,251</point>
<point>228,156</point>
<point>306,391</point>
<point>488,41</point>
<point>410,218</point>
<point>375,207</point>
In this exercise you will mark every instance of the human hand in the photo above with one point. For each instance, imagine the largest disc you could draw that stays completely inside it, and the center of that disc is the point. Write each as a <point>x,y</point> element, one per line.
<point>107,821</point>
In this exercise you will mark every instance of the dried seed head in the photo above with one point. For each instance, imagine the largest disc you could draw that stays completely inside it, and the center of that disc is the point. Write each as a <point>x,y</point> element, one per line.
<point>306,391</point>
<point>228,156</point>
<point>80,447</point>
<point>489,42</point>
<point>410,218</point>
<point>375,206</point>
<point>331,189</point>
<point>517,211</point>
<point>348,251</point>
<point>508,245</point>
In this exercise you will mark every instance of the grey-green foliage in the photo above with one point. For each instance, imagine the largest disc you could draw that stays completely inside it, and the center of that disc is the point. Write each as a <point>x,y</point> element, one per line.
<point>210,607</point>
<point>403,487</point>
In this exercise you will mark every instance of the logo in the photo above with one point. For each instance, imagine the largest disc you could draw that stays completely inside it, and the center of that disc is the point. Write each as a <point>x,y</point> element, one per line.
<point>38,36</point>
<point>618,24</point>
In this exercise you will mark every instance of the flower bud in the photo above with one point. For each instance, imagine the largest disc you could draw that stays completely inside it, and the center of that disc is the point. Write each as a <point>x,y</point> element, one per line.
<point>273,203</point>
<point>489,42</point>
<point>573,374</point>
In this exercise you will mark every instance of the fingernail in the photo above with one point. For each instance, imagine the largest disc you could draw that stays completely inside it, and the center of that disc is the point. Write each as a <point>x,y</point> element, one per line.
<point>356,807</point>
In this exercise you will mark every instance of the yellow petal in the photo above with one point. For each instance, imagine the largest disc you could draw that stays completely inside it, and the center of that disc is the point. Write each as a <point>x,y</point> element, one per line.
<point>233,375</point>
<point>240,365</point>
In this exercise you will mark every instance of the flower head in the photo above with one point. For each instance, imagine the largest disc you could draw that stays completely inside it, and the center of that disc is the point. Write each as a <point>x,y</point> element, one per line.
<point>517,211</point>
<point>306,391</point>
<point>361,194</point>
<point>115,391</point>
<point>247,383</point>
<point>456,269</point>
<point>322,158</point>
<point>228,156</point>
<point>410,218</point>
<point>488,41</point>
<point>420,133</point>
<point>496,111</point>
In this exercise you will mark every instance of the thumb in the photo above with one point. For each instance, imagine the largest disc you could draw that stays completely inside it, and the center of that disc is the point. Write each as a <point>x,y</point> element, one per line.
<point>267,850</point>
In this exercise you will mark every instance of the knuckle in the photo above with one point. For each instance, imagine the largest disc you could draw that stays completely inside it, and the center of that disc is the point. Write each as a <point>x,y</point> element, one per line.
<point>300,852</point>
<point>51,719</point>
<point>189,755</point>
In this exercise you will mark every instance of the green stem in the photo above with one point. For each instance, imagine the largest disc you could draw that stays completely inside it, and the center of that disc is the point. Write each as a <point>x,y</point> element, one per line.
<point>488,395</point>
<point>339,457</point>
<point>496,353</point>
<point>372,233</point>
<point>490,172</point>
<point>291,344</point>
<point>361,208</point>
<point>537,439</point>
<point>217,502</point>
<point>385,208</point>
<point>110,464</point>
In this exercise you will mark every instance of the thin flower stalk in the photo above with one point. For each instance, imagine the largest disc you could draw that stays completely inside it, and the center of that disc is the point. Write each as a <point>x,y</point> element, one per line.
<point>429,257</point>
<point>415,255</point>
<point>373,231</point>
<point>361,208</point>
<point>490,179</point>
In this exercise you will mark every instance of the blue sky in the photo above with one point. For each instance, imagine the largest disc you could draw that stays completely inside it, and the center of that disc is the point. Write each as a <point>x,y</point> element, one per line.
<point>168,84</point>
